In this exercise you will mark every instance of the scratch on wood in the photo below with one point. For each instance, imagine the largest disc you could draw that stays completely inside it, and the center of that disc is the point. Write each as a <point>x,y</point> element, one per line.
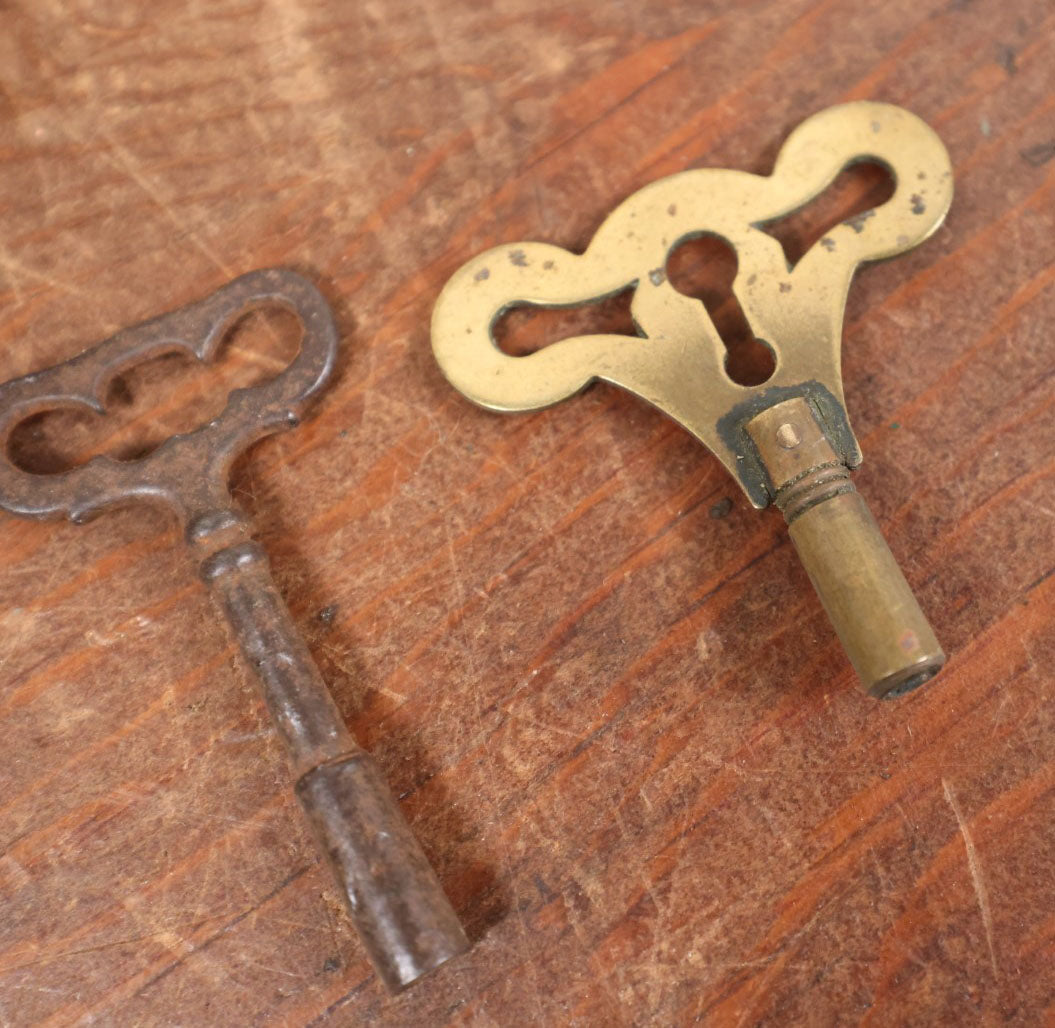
<point>976,872</point>
<point>123,159</point>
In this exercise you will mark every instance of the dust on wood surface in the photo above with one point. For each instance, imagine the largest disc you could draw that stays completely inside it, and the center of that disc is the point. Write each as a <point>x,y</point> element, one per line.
<point>598,681</point>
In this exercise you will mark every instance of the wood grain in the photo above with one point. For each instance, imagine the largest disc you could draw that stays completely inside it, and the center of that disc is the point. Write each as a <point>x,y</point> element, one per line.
<point>599,682</point>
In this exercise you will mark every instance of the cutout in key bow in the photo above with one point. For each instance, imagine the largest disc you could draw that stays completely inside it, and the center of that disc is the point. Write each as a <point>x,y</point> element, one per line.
<point>166,395</point>
<point>679,364</point>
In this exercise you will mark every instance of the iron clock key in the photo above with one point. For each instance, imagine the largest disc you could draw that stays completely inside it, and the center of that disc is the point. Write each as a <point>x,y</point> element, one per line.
<point>405,921</point>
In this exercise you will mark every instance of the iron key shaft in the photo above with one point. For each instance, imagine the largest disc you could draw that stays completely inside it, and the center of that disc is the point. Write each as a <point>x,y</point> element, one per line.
<point>404,920</point>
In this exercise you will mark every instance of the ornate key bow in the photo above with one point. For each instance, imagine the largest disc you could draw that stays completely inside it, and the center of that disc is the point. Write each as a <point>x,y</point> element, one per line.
<point>787,441</point>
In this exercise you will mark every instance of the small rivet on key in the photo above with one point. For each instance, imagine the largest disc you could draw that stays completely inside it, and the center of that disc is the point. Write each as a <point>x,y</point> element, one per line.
<point>788,436</point>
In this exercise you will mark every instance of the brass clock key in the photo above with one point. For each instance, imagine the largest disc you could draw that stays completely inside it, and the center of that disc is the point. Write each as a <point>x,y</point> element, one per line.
<point>786,441</point>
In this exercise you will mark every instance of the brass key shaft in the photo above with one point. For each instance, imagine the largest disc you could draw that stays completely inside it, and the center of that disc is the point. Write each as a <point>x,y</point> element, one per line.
<point>871,606</point>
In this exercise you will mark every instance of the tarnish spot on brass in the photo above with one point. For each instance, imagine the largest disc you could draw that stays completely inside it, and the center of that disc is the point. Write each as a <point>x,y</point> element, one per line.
<point>857,222</point>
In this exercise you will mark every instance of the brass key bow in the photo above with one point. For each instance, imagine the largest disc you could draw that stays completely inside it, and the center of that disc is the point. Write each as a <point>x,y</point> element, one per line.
<point>787,441</point>
<point>406,923</point>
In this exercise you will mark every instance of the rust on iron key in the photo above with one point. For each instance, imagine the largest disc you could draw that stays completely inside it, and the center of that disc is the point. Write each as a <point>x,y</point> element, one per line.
<point>405,921</point>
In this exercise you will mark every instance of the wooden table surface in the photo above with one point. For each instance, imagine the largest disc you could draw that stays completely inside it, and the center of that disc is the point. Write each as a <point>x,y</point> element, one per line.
<point>598,681</point>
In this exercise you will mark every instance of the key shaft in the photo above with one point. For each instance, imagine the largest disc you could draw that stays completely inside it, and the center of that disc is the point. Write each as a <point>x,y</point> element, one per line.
<point>870,604</point>
<point>405,921</point>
